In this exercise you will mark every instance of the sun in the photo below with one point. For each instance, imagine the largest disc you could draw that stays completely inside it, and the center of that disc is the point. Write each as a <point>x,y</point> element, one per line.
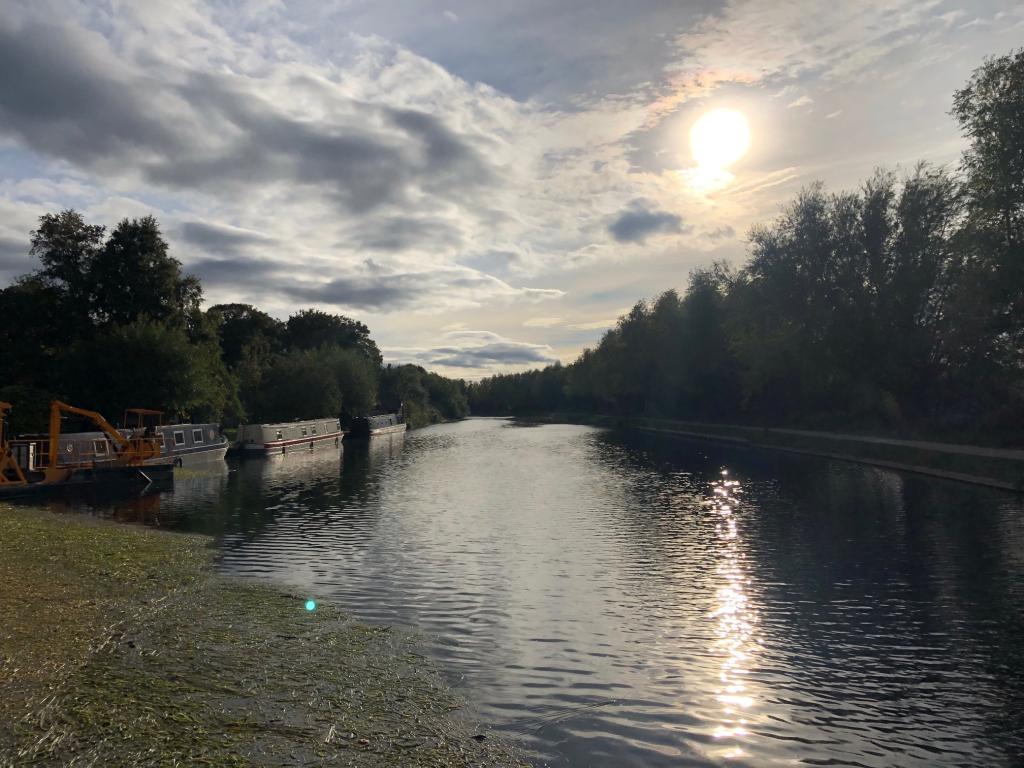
<point>719,138</point>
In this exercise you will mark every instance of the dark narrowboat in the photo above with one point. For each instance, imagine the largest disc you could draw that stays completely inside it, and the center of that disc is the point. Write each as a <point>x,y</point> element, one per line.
<point>378,424</point>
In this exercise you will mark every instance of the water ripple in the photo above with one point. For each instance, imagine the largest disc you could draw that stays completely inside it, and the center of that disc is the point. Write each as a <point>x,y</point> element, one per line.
<point>614,602</point>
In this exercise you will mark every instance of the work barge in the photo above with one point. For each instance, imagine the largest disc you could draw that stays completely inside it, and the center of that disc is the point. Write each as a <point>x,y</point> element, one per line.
<point>36,464</point>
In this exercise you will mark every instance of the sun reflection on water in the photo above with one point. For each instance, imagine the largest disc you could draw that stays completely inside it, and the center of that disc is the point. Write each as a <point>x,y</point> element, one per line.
<point>736,622</point>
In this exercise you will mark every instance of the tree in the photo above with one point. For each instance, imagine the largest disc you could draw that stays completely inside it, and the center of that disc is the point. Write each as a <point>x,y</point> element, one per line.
<point>312,328</point>
<point>986,348</point>
<point>299,385</point>
<point>148,364</point>
<point>34,330</point>
<point>67,247</point>
<point>990,109</point>
<point>133,276</point>
<point>243,327</point>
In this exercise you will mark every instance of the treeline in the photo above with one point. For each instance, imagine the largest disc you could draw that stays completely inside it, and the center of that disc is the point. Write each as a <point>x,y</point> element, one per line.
<point>899,306</point>
<point>110,321</point>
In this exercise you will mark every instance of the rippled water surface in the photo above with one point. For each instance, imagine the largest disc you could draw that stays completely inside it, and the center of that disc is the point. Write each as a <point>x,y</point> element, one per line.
<point>612,601</point>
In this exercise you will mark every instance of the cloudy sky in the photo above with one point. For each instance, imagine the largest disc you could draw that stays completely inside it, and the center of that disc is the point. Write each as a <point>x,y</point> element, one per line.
<point>487,186</point>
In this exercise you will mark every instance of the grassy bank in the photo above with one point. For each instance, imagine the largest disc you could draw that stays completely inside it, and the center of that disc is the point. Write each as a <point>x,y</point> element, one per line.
<point>121,646</point>
<point>997,468</point>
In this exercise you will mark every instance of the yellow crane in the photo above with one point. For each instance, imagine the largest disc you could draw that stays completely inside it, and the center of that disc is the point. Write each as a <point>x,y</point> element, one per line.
<point>10,472</point>
<point>132,451</point>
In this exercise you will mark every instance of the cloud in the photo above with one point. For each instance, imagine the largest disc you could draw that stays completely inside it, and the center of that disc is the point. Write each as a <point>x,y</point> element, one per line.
<point>476,350</point>
<point>220,238</point>
<point>402,232</point>
<point>638,222</point>
<point>724,232</point>
<point>14,257</point>
<point>543,322</point>
<point>369,286</point>
<point>757,40</point>
<point>803,101</point>
<point>212,131</point>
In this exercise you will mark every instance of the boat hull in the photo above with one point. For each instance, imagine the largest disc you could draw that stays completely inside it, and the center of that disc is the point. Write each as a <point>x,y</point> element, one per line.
<point>364,434</point>
<point>332,440</point>
<point>200,455</point>
<point>159,472</point>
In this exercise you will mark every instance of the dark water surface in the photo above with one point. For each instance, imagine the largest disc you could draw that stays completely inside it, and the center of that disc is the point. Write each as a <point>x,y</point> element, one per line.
<point>614,601</point>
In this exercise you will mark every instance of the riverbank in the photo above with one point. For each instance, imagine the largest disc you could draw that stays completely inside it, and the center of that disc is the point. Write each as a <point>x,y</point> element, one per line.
<point>979,465</point>
<point>121,646</point>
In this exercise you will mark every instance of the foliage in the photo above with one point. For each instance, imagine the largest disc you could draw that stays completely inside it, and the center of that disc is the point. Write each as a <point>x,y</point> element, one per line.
<point>425,398</point>
<point>133,276</point>
<point>899,306</point>
<point>311,328</point>
<point>113,323</point>
<point>244,330</point>
<point>311,383</point>
<point>148,364</point>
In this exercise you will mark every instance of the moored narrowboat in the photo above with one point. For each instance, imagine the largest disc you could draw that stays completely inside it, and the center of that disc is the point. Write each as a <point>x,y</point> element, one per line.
<point>263,439</point>
<point>192,443</point>
<point>377,424</point>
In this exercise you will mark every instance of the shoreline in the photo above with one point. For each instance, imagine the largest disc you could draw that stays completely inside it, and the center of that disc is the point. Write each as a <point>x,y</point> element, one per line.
<point>976,465</point>
<point>123,646</point>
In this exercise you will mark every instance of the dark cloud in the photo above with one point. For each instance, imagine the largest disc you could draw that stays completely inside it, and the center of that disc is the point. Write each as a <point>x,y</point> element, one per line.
<point>14,258</point>
<point>397,233</point>
<point>368,287</point>
<point>508,353</point>
<point>719,233</point>
<point>65,96</point>
<point>221,239</point>
<point>59,94</point>
<point>478,349</point>
<point>386,291</point>
<point>638,222</point>
<point>241,273</point>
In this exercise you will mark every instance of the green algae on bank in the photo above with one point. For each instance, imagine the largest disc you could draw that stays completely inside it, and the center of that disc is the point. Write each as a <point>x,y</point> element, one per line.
<point>121,646</point>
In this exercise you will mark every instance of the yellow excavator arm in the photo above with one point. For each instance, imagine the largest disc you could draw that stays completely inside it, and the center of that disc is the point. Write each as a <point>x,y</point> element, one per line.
<point>133,450</point>
<point>10,472</point>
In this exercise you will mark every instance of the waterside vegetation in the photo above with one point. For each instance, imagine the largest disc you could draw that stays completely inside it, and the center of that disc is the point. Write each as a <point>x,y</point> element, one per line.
<point>134,652</point>
<point>897,308</point>
<point>112,321</point>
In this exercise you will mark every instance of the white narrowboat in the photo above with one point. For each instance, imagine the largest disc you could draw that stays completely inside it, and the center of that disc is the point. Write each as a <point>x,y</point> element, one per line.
<point>189,444</point>
<point>289,436</point>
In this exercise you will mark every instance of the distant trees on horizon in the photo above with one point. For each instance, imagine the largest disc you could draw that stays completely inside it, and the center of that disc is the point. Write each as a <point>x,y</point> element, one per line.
<point>111,322</point>
<point>899,306</point>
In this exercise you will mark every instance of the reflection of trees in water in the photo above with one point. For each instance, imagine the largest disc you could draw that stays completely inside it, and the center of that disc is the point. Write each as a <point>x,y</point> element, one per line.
<point>123,502</point>
<point>368,453</point>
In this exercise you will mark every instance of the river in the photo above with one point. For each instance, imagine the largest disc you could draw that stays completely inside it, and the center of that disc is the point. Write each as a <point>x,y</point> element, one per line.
<point>613,600</point>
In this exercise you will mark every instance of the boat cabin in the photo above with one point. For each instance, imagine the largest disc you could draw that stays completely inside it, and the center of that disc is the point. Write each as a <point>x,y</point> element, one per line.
<point>269,438</point>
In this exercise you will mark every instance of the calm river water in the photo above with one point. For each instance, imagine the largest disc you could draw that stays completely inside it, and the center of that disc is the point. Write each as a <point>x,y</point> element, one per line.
<point>612,601</point>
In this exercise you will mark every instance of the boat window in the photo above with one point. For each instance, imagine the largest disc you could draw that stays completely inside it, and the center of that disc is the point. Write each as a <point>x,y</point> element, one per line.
<point>304,433</point>
<point>279,435</point>
<point>179,438</point>
<point>197,435</point>
<point>99,447</point>
<point>313,428</point>
<point>211,434</point>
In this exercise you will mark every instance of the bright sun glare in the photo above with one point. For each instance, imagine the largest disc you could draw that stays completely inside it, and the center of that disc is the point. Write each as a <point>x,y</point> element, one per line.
<point>719,138</point>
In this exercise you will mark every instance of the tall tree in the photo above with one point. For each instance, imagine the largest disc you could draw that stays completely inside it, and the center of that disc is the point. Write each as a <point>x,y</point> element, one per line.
<point>312,328</point>
<point>134,276</point>
<point>67,247</point>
